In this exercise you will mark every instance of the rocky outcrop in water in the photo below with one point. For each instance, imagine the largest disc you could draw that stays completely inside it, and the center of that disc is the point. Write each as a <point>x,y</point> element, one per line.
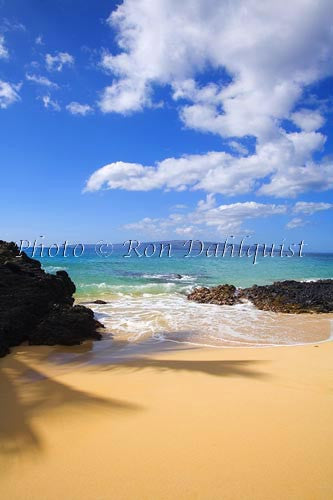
<point>293,296</point>
<point>220,295</point>
<point>281,296</point>
<point>37,307</point>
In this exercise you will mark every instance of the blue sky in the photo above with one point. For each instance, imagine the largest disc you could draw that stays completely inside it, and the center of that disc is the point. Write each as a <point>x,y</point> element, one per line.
<point>166,120</point>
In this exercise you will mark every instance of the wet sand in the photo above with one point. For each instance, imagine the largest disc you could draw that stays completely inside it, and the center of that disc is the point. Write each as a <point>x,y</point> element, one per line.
<point>166,421</point>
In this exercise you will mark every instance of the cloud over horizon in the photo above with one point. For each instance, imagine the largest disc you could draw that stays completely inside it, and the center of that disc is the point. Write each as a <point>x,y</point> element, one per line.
<point>209,218</point>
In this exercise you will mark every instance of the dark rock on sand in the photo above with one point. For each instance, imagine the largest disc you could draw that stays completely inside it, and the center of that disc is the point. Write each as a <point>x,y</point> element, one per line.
<point>4,349</point>
<point>99,301</point>
<point>281,296</point>
<point>37,307</point>
<point>71,324</point>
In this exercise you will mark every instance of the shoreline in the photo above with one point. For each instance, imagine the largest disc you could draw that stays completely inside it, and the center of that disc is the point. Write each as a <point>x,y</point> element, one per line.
<point>165,422</point>
<point>171,317</point>
<point>257,346</point>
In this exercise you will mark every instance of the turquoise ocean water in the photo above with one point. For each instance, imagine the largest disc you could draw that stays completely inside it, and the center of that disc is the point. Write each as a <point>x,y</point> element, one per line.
<point>147,296</point>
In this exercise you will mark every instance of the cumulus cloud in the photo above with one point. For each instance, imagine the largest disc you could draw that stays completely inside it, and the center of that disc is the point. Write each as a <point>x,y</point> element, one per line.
<point>124,97</point>
<point>75,108</point>
<point>3,49</point>
<point>308,120</point>
<point>207,218</point>
<point>267,66</point>
<point>40,80</point>
<point>50,103</point>
<point>8,94</point>
<point>58,61</point>
<point>269,62</point>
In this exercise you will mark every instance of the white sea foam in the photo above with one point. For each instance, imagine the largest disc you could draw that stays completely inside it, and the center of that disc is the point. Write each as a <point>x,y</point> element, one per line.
<point>311,280</point>
<point>171,317</point>
<point>170,277</point>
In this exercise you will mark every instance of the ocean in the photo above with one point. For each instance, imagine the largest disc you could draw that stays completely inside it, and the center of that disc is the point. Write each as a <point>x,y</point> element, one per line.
<point>146,296</point>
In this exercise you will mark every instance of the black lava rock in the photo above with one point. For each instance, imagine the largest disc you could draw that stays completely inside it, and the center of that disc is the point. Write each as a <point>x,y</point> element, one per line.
<point>282,296</point>
<point>38,307</point>
<point>293,296</point>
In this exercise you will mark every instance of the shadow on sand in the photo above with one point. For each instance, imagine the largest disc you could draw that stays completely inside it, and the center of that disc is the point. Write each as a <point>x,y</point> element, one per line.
<point>122,355</point>
<point>225,368</point>
<point>26,393</point>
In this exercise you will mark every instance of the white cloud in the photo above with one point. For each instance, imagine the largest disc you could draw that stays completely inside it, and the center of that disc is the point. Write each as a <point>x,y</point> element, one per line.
<point>131,176</point>
<point>236,111</point>
<point>280,168</point>
<point>309,208</point>
<point>269,62</point>
<point>75,108</point>
<point>40,80</point>
<point>58,61</point>
<point>296,222</point>
<point>207,218</point>
<point>267,66</point>
<point>306,208</point>
<point>233,215</point>
<point>50,103</point>
<point>8,94</point>
<point>124,97</point>
<point>3,49</point>
<point>308,120</point>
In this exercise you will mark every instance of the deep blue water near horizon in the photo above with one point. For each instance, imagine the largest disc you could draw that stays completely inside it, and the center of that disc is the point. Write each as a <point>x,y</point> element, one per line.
<point>146,296</point>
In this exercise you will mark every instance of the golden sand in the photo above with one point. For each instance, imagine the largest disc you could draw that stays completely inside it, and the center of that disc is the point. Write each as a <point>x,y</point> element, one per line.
<point>168,424</point>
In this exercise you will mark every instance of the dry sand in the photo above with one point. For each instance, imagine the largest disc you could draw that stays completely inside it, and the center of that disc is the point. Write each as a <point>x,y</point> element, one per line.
<point>170,424</point>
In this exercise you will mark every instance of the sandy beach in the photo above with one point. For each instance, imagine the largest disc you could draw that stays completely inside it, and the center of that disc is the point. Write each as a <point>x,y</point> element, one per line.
<point>166,250</point>
<point>173,422</point>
